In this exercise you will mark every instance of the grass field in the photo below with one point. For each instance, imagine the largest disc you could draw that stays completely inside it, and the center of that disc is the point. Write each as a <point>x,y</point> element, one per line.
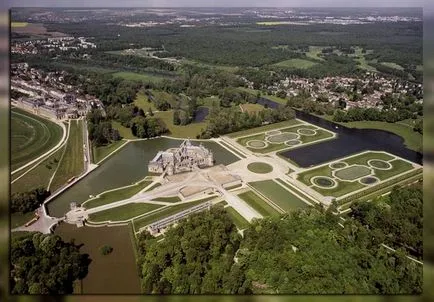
<point>169,199</point>
<point>31,136</point>
<point>99,153</point>
<point>257,203</point>
<point>265,128</point>
<point>187,131</point>
<point>392,65</point>
<point>314,52</point>
<point>279,195</point>
<point>116,195</point>
<point>279,144</point>
<point>124,212</point>
<point>251,108</point>
<point>141,101</point>
<point>237,219</point>
<point>163,213</point>
<point>72,161</point>
<point>232,149</point>
<point>133,76</point>
<point>296,63</point>
<point>351,174</point>
<point>115,273</point>
<point>39,176</point>
<point>259,167</point>
<point>266,96</point>
<point>412,139</point>
<point>124,132</point>
<point>18,24</point>
<point>19,219</point>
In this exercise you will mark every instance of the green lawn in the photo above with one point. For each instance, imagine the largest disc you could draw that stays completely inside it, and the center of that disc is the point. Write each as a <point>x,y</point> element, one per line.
<point>279,195</point>
<point>257,203</point>
<point>187,131</point>
<point>291,188</point>
<point>363,159</point>
<point>141,101</point>
<point>116,195</point>
<point>124,212</point>
<point>265,128</point>
<point>19,219</point>
<point>412,139</point>
<point>251,108</point>
<point>398,166</point>
<point>101,152</point>
<point>232,149</point>
<point>237,219</point>
<point>342,189</point>
<point>31,136</point>
<point>259,167</point>
<point>123,131</point>
<point>138,76</point>
<point>296,63</point>
<point>163,213</point>
<point>168,199</point>
<point>39,176</point>
<point>72,162</point>
<point>305,177</point>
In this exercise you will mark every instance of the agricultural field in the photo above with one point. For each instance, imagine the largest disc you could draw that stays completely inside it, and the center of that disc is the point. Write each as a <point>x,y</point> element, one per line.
<point>280,196</point>
<point>31,136</point>
<point>284,138</point>
<point>349,174</point>
<point>72,160</point>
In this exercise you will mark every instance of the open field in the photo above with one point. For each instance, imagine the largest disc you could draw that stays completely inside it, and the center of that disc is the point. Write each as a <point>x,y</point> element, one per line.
<point>124,212</point>
<point>40,175</point>
<point>314,52</point>
<point>187,131</point>
<point>286,138</point>
<point>412,139</point>
<point>279,195</point>
<point>115,273</point>
<point>72,161</point>
<point>266,96</point>
<point>353,173</point>
<point>100,152</point>
<point>257,203</point>
<point>237,219</point>
<point>141,101</point>
<point>251,108</point>
<point>35,30</point>
<point>164,212</point>
<point>124,132</point>
<point>18,24</point>
<point>138,76</point>
<point>392,65</point>
<point>116,195</point>
<point>31,136</point>
<point>296,63</point>
<point>265,128</point>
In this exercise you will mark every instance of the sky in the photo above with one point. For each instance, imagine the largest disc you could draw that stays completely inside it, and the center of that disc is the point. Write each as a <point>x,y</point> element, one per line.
<point>217,3</point>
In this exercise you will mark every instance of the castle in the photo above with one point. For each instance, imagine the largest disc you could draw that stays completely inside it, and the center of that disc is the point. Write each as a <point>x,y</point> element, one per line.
<point>181,159</point>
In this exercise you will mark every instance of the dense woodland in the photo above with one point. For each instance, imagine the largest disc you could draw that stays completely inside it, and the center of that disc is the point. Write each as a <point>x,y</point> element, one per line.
<point>305,251</point>
<point>44,264</point>
<point>25,202</point>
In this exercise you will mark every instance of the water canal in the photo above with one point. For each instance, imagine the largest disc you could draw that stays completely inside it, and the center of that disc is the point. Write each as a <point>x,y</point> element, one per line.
<point>126,167</point>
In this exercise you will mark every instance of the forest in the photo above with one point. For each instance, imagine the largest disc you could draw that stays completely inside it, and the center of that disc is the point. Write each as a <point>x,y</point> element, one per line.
<point>25,202</point>
<point>44,264</point>
<point>303,252</point>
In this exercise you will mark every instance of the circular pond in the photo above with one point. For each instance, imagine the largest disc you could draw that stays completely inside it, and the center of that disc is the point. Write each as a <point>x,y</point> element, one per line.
<point>338,165</point>
<point>324,182</point>
<point>256,144</point>
<point>307,132</point>
<point>370,180</point>
<point>379,164</point>
<point>259,167</point>
<point>283,137</point>
<point>292,142</point>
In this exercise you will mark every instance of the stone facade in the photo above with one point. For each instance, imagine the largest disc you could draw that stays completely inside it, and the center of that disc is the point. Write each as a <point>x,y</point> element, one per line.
<point>182,159</point>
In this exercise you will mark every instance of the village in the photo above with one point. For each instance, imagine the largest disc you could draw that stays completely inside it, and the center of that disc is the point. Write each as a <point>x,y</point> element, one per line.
<point>51,44</point>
